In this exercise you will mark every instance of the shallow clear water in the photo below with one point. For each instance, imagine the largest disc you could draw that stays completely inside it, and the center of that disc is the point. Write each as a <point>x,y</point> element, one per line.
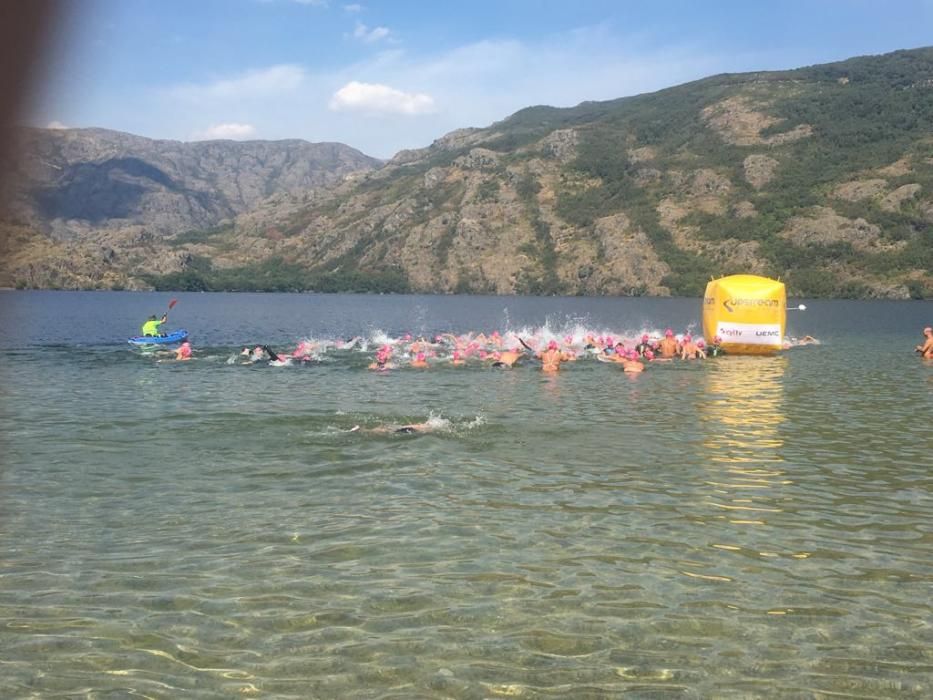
<point>741,527</point>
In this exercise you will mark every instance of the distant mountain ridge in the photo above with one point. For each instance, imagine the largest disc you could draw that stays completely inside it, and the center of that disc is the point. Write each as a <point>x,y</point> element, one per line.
<point>822,176</point>
<point>71,181</point>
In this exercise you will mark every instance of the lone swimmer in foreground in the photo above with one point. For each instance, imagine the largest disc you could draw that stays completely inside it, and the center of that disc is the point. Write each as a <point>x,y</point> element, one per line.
<point>408,429</point>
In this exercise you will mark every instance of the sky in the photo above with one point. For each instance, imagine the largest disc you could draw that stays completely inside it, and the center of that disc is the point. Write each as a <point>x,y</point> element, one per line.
<point>383,76</point>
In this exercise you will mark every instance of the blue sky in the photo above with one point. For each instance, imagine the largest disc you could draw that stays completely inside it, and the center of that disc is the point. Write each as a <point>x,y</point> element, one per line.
<point>382,76</point>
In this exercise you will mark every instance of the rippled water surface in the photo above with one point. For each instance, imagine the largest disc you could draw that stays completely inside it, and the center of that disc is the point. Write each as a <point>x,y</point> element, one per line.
<point>740,527</point>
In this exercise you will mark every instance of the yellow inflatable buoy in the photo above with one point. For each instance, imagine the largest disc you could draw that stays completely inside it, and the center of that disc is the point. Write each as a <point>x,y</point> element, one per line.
<point>749,314</point>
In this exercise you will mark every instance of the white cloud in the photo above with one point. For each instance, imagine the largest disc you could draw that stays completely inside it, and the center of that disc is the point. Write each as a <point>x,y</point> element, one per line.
<point>56,125</point>
<point>418,97</point>
<point>353,8</point>
<point>263,82</point>
<point>371,97</point>
<point>370,36</point>
<point>229,130</point>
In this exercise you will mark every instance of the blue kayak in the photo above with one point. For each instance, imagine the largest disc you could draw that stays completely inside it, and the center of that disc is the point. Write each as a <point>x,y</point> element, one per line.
<point>178,336</point>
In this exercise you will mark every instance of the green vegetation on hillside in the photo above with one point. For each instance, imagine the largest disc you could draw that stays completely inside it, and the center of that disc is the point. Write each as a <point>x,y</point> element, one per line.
<point>822,176</point>
<point>276,275</point>
<point>865,114</point>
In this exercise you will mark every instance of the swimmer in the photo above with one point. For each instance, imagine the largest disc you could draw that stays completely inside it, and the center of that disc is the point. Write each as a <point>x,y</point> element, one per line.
<point>275,360</point>
<point>304,351</point>
<point>381,362</point>
<point>668,347</point>
<point>183,352</point>
<point>508,358</point>
<point>644,346</point>
<point>551,357</point>
<point>797,342</point>
<point>926,349</point>
<point>616,355</point>
<point>689,350</point>
<point>632,363</point>
<point>419,361</point>
<point>409,429</point>
<point>714,349</point>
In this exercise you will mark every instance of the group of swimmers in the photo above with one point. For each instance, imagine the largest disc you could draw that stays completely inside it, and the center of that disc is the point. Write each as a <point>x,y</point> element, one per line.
<point>508,350</point>
<point>496,350</point>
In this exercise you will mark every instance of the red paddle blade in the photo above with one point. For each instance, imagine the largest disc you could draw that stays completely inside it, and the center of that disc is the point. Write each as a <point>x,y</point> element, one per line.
<point>172,303</point>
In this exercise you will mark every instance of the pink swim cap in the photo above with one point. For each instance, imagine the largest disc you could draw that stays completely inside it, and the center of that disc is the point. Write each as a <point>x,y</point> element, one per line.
<point>701,343</point>
<point>668,333</point>
<point>420,357</point>
<point>552,345</point>
<point>717,339</point>
<point>644,338</point>
<point>649,354</point>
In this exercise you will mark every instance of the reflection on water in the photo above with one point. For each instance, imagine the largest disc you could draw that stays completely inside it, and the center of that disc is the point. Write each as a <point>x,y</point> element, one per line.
<point>742,419</point>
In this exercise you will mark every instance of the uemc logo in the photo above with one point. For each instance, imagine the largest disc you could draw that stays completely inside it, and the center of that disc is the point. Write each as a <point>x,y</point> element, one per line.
<point>767,303</point>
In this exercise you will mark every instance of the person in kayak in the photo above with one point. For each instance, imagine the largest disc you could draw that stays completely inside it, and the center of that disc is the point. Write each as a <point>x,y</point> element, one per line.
<point>151,326</point>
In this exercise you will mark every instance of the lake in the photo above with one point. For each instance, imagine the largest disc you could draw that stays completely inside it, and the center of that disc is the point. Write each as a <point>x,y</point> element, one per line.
<point>735,527</point>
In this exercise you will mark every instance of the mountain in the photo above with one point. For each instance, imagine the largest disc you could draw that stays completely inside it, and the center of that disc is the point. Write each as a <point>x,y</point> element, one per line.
<point>820,175</point>
<point>75,186</point>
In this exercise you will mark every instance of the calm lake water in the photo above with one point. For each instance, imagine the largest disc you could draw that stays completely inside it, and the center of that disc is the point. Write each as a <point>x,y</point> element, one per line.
<point>740,527</point>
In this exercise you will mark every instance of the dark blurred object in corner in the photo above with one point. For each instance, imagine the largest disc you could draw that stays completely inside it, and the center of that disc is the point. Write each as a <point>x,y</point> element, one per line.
<point>25,27</point>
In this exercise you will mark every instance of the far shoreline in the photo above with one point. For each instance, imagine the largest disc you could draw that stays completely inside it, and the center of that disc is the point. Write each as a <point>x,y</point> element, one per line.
<point>441,295</point>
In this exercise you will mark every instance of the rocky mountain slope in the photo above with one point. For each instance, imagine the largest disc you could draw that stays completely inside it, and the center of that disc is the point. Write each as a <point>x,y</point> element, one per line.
<point>820,175</point>
<point>78,186</point>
